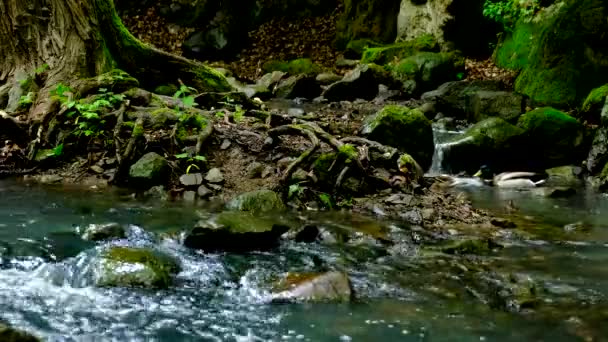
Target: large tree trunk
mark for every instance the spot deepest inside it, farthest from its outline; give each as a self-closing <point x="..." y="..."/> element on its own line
<point x="77" y="39"/>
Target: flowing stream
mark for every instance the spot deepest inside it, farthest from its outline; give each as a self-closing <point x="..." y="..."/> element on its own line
<point x="45" y="286"/>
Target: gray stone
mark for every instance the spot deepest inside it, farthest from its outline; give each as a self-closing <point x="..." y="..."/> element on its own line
<point x="189" y="196"/>
<point x="152" y="169"/>
<point x="454" y="98"/>
<point x="325" y="287"/>
<point x="225" y="144"/>
<point x="255" y="169"/>
<point x="106" y="231"/>
<point x="503" y="104"/>
<point x="327" y="78"/>
<point x="191" y="180"/>
<point x="298" y="86"/>
<point x="257" y="201"/>
<point x="204" y="192"/>
<point x="359" y="83"/>
<point x="270" y="80"/>
<point x="215" y="176"/>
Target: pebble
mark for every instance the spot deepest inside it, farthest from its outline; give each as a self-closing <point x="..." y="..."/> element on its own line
<point x="214" y="176"/>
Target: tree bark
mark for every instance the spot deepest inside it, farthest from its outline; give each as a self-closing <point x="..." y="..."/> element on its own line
<point x="46" y="42"/>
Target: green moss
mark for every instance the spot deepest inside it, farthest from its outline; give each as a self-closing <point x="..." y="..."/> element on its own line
<point x="138" y="130"/>
<point x="367" y="19"/>
<point x="560" y="53"/>
<point x="293" y="67"/>
<point x="385" y="54"/>
<point x="257" y="201"/>
<point x="167" y="90"/>
<point x="356" y="47"/>
<point x="604" y="173"/>
<point x="349" y="152"/>
<point x="161" y="267"/>
<point x="493" y="133"/>
<point x="27" y="83"/>
<point x="8" y="334"/>
<point x="596" y="99"/>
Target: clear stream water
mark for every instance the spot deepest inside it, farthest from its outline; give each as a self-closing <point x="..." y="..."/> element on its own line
<point x="45" y="286"/>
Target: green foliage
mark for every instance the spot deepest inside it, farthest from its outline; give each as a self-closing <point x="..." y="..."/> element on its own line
<point x="295" y="191"/>
<point x="58" y="150"/>
<point x="596" y="99"/>
<point x="41" y="69"/>
<point x="238" y="114"/>
<point x="26" y="101"/>
<point x="192" y="161"/>
<point x="326" y="200"/>
<point x="508" y="12"/>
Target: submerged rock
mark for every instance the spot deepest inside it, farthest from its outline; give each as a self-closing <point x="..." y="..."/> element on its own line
<point x="404" y="128"/>
<point x="106" y="231"/>
<point x="236" y="232"/>
<point x="324" y="287"/>
<point x="135" y="267"/>
<point x="152" y="169"/>
<point x="257" y="201"/>
<point x="8" y="334"/>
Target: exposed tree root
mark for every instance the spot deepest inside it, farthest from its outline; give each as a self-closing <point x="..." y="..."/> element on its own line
<point x="295" y="130"/>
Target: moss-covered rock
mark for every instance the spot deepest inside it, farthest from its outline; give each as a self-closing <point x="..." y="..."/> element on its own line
<point x="135" y="267"/>
<point x="492" y="141"/>
<point x="294" y="67"/>
<point x="356" y="47"/>
<point x="152" y="169"/>
<point x="554" y="136"/>
<point x="371" y="19"/>
<point x="324" y="287"/>
<point x="8" y="334"/>
<point x="386" y="54"/>
<point x="562" y="53"/>
<point x="236" y="232"/>
<point x="404" y="128"/>
<point x="427" y="69"/>
<point x="257" y="201"/>
<point x="594" y="103"/>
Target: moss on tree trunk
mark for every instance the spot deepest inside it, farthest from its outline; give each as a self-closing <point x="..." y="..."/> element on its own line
<point x="46" y="42"/>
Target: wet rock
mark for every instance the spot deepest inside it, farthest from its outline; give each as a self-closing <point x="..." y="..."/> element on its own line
<point x="157" y="192"/>
<point x="325" y="287"/>
<point x="270" y="80"/>
<point x="189" y="196"/>
<point x="257" y="201"/>
<point x="413" y="216"/>
<point x="152" y="169"/>
<point x="598" y="155"/>
<point x="455" y="97"/>
<point x="564" y="176"/>
<point x="477" y="247"/>
<point x="8" y="334"/>
<point x="503" y="223"/>
<point x="191" y="179"/>
<point x="555" y="192"/>
<point x="346" y="63"/>
<point x="577" y="227"/>
<point x="203" y="192"/>
<point x="236" y="232"/>
<point x="46" y="179"/>
<point x="268" y="171"/>
<point x="214" y="176"/>
<point x="404" y="128"/>
<point x="138" y="97"/>
<point x="328" y="78"/>
<point x="254" y="170"/>
<point x="298" y="86"/>
<point x="225" y="144"/>
<point x="359" y="83"/>
<point x="503" y="104"/>
<point x="106" y="231"/>
<point x="135" y="267"/>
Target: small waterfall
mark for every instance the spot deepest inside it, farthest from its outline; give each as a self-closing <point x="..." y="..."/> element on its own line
<point x="443" y="139"/>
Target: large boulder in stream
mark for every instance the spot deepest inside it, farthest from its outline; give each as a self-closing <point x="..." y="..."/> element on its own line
<point x="106" y="231"/>
<point x="404" y="128"/>
<point x="135" y="267"/>
<point x="555" y="138"/>
<point x="152" y="169"/>
<point x="323" y="287"/>
<point x="236" y="232"/>
<point x="8" y="334"/>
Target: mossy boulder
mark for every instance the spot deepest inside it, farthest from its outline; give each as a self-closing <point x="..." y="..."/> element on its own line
<point x="236" y="232"/>
<point x="404" y="128"/>
<point x="356" y="47"/>
<point x="594" y="104"/>
<point x="386" y="54"/>
<point x="562" y="53"/>
<point x="8" y="334"/>
<point x="135" y="267"/>
<point x="555" y="137"/>
<point x="492" y="141"/>
<point x="367" y="19"/>
<point x="359" y="83"/>
<point x="294" y="67"/>
<point x="324" y="287"/>
<point x="151" y="169"/>
<point x="257" y="201"/>
<point x="427" y="70"/>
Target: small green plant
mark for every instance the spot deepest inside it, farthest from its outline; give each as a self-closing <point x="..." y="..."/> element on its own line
<point x="460" y="76"/>
<point x="219" y="114"/>
<point x="185" y="93"/>
<point x="295" y="191"/>
<point x="326" y="200"/>
<point x="239" y="113"/>
<point x="26" y="101"/>
<point x="58" y="150"/>
<point x="41" y="69"/>
<point x="191" y="160"/>
<point x="508" y="12"/>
